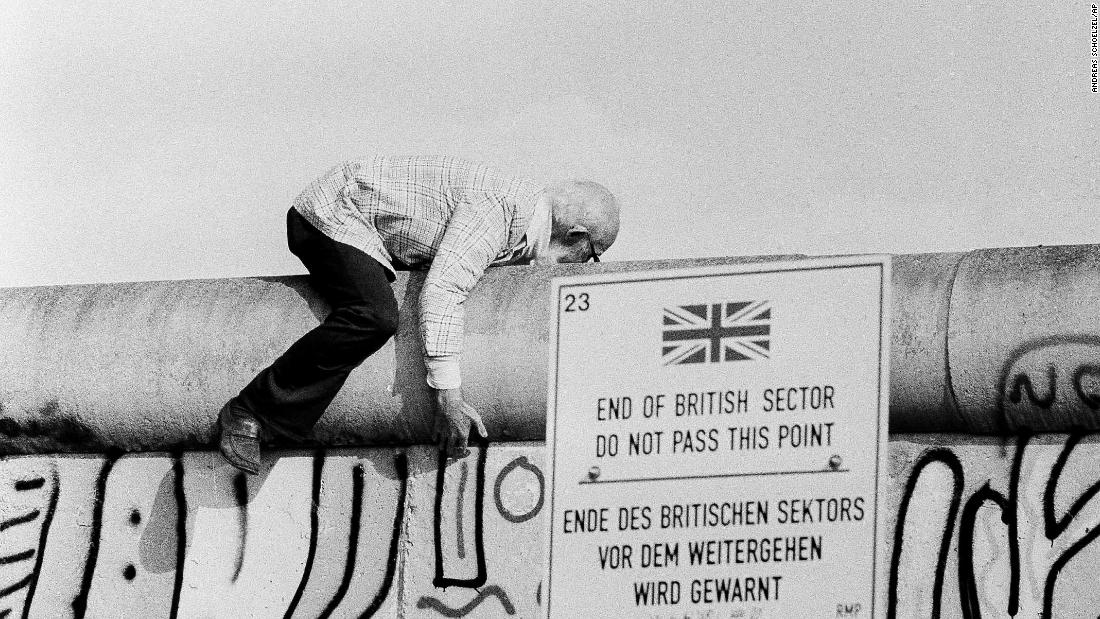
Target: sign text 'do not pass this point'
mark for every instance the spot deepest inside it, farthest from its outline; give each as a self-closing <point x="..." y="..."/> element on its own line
<point x="716" y="440"/>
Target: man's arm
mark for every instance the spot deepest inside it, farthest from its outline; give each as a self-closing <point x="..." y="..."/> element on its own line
<point x="475" y="235"/>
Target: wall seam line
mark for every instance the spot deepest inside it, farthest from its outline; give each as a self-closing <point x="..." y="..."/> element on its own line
<point x="951" y="397"/>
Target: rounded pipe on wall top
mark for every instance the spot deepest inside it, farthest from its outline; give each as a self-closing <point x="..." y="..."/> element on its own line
<point x="990" y="342"/>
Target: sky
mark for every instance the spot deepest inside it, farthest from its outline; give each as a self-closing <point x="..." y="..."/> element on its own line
<point x="142" y="140"/>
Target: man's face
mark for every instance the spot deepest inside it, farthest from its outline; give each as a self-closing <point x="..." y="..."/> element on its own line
<point x="572" y="245"/>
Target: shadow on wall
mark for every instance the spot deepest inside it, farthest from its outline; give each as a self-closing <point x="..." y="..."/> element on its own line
<point x="48" y="431"/>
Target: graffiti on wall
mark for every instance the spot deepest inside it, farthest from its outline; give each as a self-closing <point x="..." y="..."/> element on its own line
<point x="180" y="535"/>
<point x="1050" y="382"/>
<point x="982" y="529"/>
<point x="518" y="472"/>
<point x="26" y="519"/>
<point x="1006" y="548"/>
<point x="1005" y="552"/>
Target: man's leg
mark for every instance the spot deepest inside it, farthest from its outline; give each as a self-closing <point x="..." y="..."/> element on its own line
<point x="290" y="395"/>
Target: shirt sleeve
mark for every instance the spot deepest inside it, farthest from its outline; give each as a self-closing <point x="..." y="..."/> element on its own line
<point x="444" y="372"/>
<point x="475" y="235"/>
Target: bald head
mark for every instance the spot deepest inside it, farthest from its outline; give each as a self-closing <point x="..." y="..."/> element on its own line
<point x="585" y="220"/>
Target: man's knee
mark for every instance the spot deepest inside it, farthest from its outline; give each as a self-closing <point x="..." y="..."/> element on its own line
<point x="373" y="323"/>
<point x="386" y="323"/>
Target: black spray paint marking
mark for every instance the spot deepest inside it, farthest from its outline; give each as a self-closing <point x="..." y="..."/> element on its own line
<point x="1013" y="522"/>
<point x="30" y="484"/>
<point x="458" y="510"/>
<point x="17" y="557"/>
<point x="314" y="523"/>
<point x="1091" y="400"/>
<point x="80" y="602"/>
<point x="18" y="520"/>
<point x="948" y="458"/>
<point x="401" y="463"/>
<point x="31" y="579"/>
<point x="43" y="537"/>
<point x="520" y="462"/>
<point x="1021" y="382"/>
<point x="1056" y="569"/>
<point x="181" y="530"/>
<point x="240" y="490"/>
<point x="443" y="581"/>
<point x="968" y="589"/>
<point x="353" y="540"/>
<point x="1009" y="507"/>
<point x="490" y="591"/>
<point x="1055" y="528"/>
<point x="1052" y="525"/>
<point x="10" y="589"/>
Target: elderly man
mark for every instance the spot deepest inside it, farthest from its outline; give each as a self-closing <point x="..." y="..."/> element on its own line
<point x="362" y="220"/>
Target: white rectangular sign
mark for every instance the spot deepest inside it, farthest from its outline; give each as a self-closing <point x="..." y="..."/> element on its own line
<point x="717" y="438"/>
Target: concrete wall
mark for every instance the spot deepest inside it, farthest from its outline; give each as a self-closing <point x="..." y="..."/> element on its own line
<point x="120" y="509"/>
<point x="386" y="532"/>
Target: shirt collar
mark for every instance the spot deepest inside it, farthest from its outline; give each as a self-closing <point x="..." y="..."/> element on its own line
<point x="538" y="231"/>
<point x="535" y="240"/>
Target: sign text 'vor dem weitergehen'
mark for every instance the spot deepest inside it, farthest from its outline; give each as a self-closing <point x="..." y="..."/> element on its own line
<point x="717" y="438"/>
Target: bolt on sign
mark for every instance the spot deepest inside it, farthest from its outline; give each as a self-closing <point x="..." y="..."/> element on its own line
<point x="717" y="439"/>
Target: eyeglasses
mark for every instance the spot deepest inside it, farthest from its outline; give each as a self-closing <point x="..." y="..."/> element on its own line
<point x="592" y="255"/>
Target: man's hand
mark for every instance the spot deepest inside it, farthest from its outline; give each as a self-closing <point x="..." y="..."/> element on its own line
<point x="452" y="422"/>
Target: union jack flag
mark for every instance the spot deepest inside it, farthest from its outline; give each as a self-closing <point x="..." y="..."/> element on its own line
<point x="714" y="332"/>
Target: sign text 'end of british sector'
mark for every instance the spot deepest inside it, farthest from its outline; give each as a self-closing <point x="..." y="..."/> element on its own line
<point x="716" y="438"/>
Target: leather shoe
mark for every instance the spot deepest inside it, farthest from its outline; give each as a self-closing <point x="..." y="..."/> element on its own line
<point x="240" y="437"/>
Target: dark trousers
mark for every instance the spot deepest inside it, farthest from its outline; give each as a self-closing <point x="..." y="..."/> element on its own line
<point x="290" y="395"/>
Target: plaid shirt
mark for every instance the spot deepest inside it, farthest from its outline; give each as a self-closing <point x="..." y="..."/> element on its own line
<point x="451" y="215"/>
